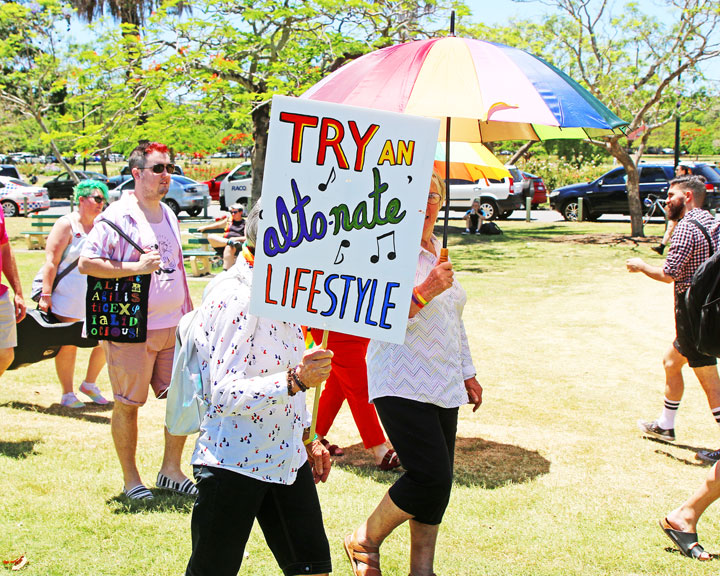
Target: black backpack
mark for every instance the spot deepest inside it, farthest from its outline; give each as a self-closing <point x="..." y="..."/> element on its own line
<point x="702" y="301"/>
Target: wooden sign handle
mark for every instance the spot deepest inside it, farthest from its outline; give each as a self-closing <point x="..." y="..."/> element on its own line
<point x="443" y="255"/>
<point x="318" y="390"/>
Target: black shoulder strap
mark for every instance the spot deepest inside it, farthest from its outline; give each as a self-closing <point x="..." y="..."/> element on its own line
<point x="133" y="243"/>
<point x="705" y="233"/>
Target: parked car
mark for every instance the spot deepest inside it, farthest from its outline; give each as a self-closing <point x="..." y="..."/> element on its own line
<point x="521" y="185"/>
<point x="10" y="171"/>
<point x="237" y="186"/>
<point x="184" y="194"/>
<point x="538" y="189"/>
<point x="126" y="174"/>
<point x="497" y="197"/>
<point x="14" y="193"/>
<point x="608" y="194"/>
<point x="62" y="185"/>
<point x="214" y="185"/>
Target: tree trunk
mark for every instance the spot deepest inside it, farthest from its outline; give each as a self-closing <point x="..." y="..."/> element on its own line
<point x="261" y="125"/>
<point x="521" y="151"/>
<point x="633" y="187"/>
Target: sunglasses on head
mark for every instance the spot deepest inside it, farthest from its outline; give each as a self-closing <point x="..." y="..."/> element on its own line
<point x="159" y="168"/>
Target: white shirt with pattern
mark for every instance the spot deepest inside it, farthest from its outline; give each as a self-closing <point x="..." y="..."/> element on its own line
<point x="253" y="426"/>
<point x="434" y="361"/>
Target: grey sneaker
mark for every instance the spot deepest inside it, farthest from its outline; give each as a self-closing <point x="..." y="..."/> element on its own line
<point x="654" y="431"/>
<point x="709" y="456"/>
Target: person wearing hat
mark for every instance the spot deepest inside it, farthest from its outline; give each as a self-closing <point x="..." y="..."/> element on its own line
<point x="229" y="243"/>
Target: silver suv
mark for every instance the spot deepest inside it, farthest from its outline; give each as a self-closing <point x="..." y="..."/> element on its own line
<point x="498" y="198"/>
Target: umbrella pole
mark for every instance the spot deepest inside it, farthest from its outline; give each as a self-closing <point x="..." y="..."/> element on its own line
<point x="444" y="249"/>
<point x="318" y="390"/>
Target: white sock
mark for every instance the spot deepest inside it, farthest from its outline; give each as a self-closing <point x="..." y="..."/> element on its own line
<point x="667" y="417"/>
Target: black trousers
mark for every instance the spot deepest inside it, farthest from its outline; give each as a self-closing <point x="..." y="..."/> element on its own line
<point x="289" y="516"/>
<point x="424" y="437"/>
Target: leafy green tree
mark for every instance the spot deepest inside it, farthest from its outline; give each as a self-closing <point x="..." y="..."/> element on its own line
<point x="635" y="63"/>
<point x="32" y="63"/>
<point x="242" y="52"/>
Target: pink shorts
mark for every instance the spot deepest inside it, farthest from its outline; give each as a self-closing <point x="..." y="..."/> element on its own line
<point x="134" y="367"/>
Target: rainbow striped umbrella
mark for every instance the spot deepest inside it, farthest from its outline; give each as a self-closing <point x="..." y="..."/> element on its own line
<point x="470" y="161"/>
<point x="482" y="91"/>
<point x="491" y="91"/>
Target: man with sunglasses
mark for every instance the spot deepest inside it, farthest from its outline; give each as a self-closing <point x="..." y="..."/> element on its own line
<point x="135" y="367"/>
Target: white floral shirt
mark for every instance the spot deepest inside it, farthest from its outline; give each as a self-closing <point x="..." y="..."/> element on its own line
<point x="252" y="426"/>
<point x="434" y="361"/>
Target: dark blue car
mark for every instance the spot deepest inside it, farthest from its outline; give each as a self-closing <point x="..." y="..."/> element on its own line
<point x="608" y="194"/>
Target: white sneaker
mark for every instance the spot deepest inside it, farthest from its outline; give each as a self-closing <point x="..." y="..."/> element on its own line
<point x="69" y="400"/>
<point x="91" y="390"/>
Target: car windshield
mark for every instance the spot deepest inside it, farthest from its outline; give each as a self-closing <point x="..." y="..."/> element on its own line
<point x="183" y="180"/>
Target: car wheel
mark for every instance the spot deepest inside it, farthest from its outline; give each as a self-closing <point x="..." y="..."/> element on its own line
<point x="489" y="208"/>
<point x="570" y="210"/>
<point x="505" y="215"/>
<point x="10" y="208"/>
<point x="174" y="206"/>
<point x="194" y="211"/>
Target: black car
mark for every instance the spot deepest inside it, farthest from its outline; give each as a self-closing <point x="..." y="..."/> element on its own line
<point x="62" y="186"/>
<point x="608" y="194"/>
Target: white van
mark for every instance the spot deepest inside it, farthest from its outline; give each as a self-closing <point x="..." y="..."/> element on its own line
<point x="237" y="186"/>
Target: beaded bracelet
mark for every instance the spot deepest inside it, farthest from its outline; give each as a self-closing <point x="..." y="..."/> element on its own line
<point x="310" y="440"/>
<point x="45" y="295"/>
<point x="299" y="383"/>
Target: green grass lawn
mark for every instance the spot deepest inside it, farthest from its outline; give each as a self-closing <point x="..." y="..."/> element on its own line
<point x="553" y="477"/>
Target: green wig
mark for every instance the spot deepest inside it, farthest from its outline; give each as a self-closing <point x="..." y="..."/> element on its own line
<point x="85" y="188"/>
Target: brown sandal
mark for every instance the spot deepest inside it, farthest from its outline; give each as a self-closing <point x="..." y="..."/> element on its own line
<point x="334" y="449"/>
<point x="364" y="560"/>
<point x="390" y="461"/>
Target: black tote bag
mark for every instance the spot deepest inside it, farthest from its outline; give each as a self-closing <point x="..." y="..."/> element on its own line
<point x="116" y="309"/>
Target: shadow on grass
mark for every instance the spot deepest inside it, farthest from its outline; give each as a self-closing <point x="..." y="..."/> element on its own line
<point x="18" y="450"/>
<point x="692" y="449"/>
<point x="163" y="501"/>
<point x="478" y="462"/>
<point x="88" y="413"/>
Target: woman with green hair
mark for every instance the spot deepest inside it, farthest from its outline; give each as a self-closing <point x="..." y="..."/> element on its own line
<point x="66" y="298"/>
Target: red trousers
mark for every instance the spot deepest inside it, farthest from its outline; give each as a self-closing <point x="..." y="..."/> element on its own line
<point x="348" y="380"/>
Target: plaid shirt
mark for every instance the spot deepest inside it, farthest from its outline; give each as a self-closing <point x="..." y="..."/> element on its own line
<point x="690" y="248"/>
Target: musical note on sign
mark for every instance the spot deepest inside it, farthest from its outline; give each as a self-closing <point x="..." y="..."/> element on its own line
<point x="340" y="257"/>
<point x="390" y="255"/>
<point x="323" y="185"/>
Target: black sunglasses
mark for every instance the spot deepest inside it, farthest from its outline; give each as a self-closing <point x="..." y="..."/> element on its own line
<point x="98" y="199"/>
<point x="158" y="168"/>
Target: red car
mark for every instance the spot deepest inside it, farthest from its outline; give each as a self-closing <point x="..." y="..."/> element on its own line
<point x="214" y="185"/>
<point x="539" y="192"/>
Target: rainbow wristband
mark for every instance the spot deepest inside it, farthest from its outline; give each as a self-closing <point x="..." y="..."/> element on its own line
<point x="420" y="300"/>
<point x="310" y="440"/>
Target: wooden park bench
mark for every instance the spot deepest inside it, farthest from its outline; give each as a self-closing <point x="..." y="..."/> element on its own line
<point x="36" y="239"/>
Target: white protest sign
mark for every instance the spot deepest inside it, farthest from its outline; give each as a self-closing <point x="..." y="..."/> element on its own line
<point x="343" y="204"/>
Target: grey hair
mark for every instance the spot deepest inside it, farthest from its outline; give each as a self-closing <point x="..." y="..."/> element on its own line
<point x="251" y="224"/>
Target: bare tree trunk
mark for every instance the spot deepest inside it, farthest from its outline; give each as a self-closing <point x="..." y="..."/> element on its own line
<point x="633" y="187"/>
<point x="521" y="151"/>
<point x="261" y="125"/>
